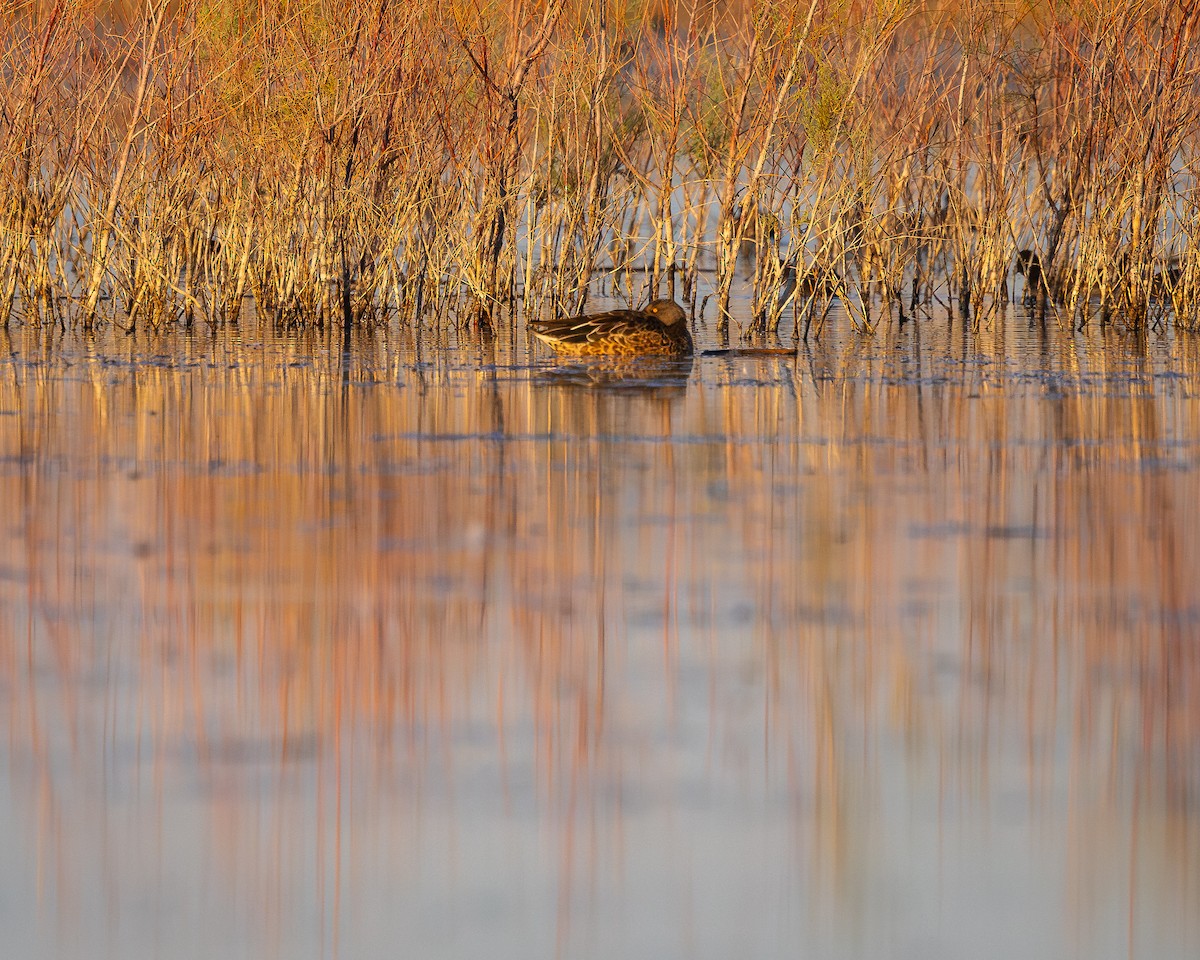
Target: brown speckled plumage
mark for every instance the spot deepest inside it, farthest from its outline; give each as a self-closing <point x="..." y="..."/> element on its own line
<point x="657" y="330"/>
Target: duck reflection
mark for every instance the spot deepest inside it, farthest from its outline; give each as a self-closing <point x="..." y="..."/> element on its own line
<point x="657" y="376"/>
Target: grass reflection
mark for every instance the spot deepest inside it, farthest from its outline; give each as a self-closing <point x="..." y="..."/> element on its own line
<point x="308" y="627"/>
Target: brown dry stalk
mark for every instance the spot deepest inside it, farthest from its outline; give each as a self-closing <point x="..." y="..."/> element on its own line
<point x="441" y="165"/>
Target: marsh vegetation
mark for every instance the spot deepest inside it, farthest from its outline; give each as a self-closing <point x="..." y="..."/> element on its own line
<point x="333" y="620"/>
<point x="430" y="164"/>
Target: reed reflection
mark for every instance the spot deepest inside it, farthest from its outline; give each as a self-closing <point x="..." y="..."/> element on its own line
<point x="492" y="657"/>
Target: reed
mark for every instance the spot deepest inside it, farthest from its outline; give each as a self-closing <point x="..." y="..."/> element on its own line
<point x="428" y="165"/>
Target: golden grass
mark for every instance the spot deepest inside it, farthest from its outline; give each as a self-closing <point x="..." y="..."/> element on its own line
<point x="436" y="164"/>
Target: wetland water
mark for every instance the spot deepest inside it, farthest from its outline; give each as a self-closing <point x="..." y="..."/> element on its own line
<point x="889" y="651"/>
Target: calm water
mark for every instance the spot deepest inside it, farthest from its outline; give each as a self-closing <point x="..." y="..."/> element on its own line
<point x="889" y="651"/>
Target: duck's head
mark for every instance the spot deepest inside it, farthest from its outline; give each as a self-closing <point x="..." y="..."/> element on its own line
<point x="665" y="312"/>
<point x="1028" y="262"/>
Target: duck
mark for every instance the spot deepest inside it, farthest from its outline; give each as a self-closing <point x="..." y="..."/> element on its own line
<point x="659" y="329"/>
<point x="1029" y="265"/>
<point x="801" y="287"/>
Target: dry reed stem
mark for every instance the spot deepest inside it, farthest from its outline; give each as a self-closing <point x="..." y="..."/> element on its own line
<point x="434" y="167"/>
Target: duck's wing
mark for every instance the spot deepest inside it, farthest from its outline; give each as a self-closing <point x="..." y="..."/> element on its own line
<point x="594" y="328"/>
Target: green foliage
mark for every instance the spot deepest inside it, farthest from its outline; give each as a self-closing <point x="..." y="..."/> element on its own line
<point x="822" y="110"/>
<point x="707" y="134"/>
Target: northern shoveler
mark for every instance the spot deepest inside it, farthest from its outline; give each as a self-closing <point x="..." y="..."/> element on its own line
<point x="657" y="330"/>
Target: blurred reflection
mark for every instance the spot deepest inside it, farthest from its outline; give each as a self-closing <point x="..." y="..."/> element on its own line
<point x="663" y="378"/>
<point x="862" y="653"/>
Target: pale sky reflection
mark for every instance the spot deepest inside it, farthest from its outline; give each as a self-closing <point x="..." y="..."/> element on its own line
<point x="887" y="653"/>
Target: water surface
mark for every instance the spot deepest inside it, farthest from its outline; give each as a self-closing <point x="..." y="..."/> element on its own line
<point x="890" y="650"/>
